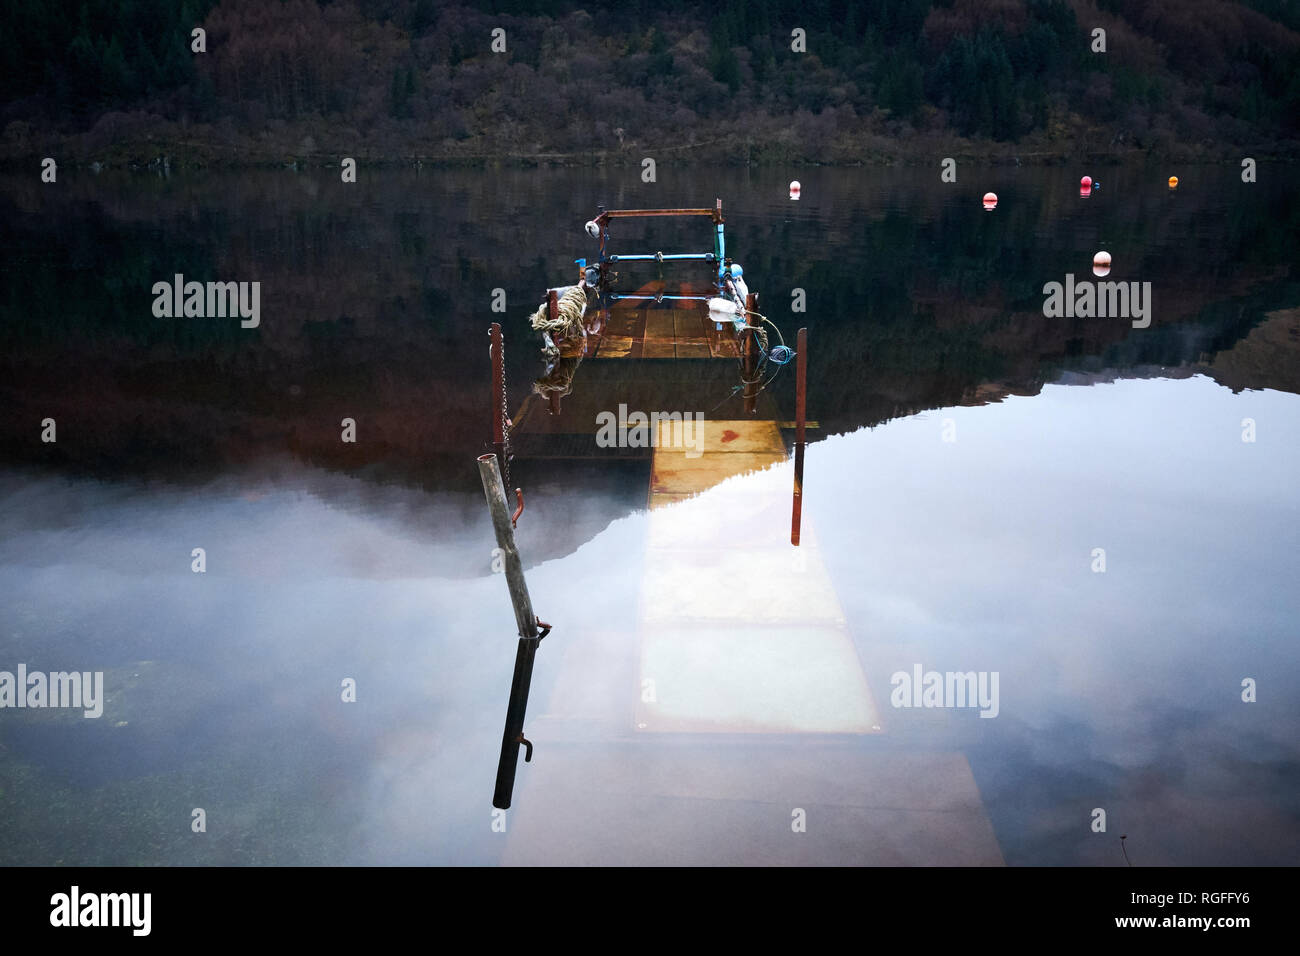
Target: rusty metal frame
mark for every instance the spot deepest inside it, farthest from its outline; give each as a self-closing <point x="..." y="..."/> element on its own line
<point x="715" y="216"/>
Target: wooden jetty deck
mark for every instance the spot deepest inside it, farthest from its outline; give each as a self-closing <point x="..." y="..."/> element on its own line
<point x="649" y="332"/>
<point x="653" y="331"/>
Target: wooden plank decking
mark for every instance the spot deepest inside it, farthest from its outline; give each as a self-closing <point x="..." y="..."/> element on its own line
<point x="652" y="331"/>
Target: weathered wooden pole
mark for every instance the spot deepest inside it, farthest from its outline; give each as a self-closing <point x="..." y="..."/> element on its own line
<point x="531" y="633"/>
<point x="752" y="354"/>
<point x="800" y="410"/>
<point x="498" y="404"/>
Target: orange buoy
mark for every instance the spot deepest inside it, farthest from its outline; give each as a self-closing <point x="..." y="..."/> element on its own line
<point x="990" y="200"/>
<point x="1173" y="182"/>
<point x="1086" y="182"/>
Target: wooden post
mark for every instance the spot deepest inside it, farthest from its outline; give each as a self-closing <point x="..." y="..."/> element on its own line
<point x="498" y="403"/>
<point x="752" y="354"/>
<point x="529" y="636"/>
<point x="800" y="410"/>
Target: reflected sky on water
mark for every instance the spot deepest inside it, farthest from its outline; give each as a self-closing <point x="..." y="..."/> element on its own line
<point x="1119" y="689"/>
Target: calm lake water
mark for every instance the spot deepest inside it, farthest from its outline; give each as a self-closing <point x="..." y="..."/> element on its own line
<point x="969" y="458"/>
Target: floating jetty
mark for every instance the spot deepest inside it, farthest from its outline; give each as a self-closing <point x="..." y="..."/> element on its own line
<point x="730" y="714"/>
<point x="710" y="316"/>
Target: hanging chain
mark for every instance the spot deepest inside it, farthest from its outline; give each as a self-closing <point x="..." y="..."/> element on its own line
<point x="505" y="422"/>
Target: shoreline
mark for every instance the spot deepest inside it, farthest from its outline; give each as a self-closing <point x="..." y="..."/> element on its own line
<point x="165" y="158"/>
<point x="295" y="151"/>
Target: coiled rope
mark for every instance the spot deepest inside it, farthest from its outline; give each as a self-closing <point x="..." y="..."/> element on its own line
<point x="571" y="306"/>
<point x="778" y="355"/>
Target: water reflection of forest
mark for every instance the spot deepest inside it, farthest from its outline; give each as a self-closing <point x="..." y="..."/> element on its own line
<point x="376" y="304"/>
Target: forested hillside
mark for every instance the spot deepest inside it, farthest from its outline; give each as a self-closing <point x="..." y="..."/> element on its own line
<point x="117" y="80"/>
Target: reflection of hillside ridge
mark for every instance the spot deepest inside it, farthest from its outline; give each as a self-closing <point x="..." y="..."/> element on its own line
<point x="376" y="298"/>
<point x="1109" y="376"/>
<point x="1269" y="357"/>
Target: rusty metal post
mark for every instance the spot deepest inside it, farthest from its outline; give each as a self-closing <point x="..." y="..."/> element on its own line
<point x="497" y="352"/>
<point x="531" y="632"/>
<point x="752" y="354"/>
<point x="800" y="410"/>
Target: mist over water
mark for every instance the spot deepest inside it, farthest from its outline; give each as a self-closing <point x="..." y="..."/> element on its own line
<point x="373" y="562"/>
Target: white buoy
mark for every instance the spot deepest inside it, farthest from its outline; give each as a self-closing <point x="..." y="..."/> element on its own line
<point x="593" y="230"/>
<point x="1101" y="264"/>
<point x="795" y="189"/>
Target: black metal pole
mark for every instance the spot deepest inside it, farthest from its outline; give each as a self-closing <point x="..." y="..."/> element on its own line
<point x="513" y="736"/>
